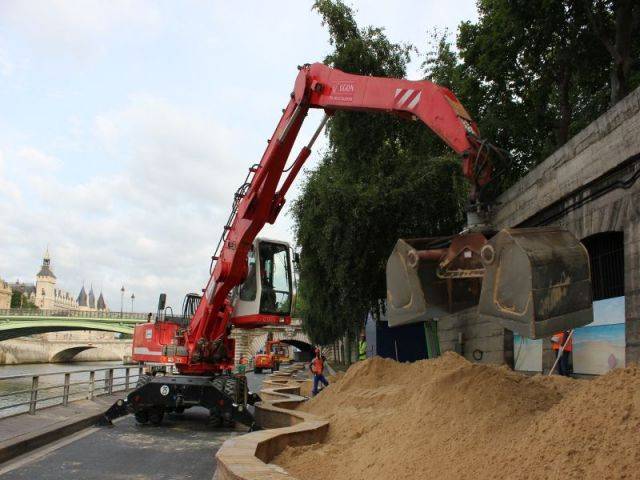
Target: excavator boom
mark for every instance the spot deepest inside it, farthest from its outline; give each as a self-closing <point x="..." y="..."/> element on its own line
<point x="322" y="87"/>
<point x="263" y="196"/>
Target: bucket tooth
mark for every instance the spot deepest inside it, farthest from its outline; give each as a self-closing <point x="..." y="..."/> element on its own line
<point x="537" y="281"/>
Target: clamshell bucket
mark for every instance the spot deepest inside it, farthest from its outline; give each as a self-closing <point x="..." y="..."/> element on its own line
<point x="432" y="277"/>
<point x="537" y="281"/>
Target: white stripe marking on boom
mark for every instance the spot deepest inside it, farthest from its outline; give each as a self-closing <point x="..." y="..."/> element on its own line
<point x="415" y="101"/>
<point x="405" y="97"/>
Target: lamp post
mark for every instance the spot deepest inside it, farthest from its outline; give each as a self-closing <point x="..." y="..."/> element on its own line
<point x="121" y="300"/>
<point x="133" y="297"/>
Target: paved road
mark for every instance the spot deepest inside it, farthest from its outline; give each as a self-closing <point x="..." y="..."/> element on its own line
<point x="183" y="447"/>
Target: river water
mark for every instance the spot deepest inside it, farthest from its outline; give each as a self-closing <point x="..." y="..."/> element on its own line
<point x="53" y="381"/>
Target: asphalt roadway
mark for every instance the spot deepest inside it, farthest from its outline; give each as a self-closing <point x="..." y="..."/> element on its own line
<point x="182" y="447"/>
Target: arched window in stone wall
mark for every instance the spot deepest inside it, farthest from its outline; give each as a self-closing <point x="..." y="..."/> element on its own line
<point x="606" y="254"/>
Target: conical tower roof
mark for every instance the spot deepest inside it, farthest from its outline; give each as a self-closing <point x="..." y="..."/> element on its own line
<point x="45" y="269"/>
<point x="101" y="304"/>
<point x="92" y="298"/>
<point x="82" y="297"/>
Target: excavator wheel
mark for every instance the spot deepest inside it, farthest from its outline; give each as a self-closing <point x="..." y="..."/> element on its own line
<point x="156" y="416"/>
<point x="215" y="419"/>
<point x="142" y="417"/>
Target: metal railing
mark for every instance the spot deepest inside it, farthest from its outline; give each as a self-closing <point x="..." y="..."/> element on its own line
<point x="45" y="390"/>
<point x="34" y="312"/>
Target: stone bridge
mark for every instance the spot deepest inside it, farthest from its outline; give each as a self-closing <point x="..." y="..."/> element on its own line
<point x="18" y="345"/>
<point x="16" y="323"/>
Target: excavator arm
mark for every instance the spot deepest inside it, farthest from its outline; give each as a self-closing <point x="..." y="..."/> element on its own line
<point x="418" y="270"/>
<point x="323" y="87"/>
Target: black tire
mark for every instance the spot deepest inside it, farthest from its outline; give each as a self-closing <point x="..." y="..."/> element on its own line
<point x="156" y="416"/>
<point x="257" y="370"/>
<point x="215" y="420"/>
<point x="142" y="417"/>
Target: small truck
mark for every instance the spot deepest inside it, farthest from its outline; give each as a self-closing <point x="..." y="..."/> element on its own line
<point x="275" y="353"/>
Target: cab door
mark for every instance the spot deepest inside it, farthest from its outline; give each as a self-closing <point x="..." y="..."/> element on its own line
<point x="266" y="296"/>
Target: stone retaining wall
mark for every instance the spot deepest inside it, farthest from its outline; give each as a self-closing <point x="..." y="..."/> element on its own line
<point x="247" y="457"/>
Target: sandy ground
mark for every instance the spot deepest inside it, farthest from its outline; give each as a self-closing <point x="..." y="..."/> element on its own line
<point x="307" y="387"/>
<point x="450" y="419"/>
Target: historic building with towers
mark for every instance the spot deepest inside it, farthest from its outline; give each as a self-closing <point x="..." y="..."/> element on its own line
<point x="46" y="295"/>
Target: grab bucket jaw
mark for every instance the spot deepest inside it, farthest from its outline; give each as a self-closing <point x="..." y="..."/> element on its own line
<point x="537" y="281"/>
<point x="433" y="277"/>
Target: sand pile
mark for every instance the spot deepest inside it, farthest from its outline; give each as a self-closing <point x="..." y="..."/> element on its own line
<point x="450" y="419"/>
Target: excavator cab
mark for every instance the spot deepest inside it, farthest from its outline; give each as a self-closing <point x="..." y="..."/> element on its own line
<point x="533" y="281"/>
<point x="268" y="289"/>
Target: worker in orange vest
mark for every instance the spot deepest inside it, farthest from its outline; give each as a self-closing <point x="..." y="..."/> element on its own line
<point x="557" y="341"/>
<point x="317" y="368"/>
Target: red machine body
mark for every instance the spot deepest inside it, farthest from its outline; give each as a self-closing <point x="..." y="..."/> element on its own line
<point x="203" y="346"/>
<point x="274" y="355"/>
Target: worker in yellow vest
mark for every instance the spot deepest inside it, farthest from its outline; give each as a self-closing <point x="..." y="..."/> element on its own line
<point x="362" y="347"/>
<point x="317" y="368"/>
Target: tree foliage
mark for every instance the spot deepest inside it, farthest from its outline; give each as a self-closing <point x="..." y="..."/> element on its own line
<point x="20" y="300"/>
<point x="535" y="72"/>
<point x="532" y="72"/>
<point x="381" y="179"/>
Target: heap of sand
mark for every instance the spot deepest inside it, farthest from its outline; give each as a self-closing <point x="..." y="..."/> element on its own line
<point x="450" y="419"/>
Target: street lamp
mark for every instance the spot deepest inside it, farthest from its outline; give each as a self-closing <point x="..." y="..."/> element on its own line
<point x="133" y="297"/>
<point x="121" y="300"/>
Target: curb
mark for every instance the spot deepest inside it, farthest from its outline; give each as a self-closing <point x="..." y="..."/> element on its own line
<point x="27" y="442"/>
<point x="247" y="457"/>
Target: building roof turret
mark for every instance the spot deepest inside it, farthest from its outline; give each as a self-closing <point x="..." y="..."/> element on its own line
<point x="92" y="298"/>
<point x="45" y="269"/>
<point x="101" y="304"/>
<point x="82" y="297"/>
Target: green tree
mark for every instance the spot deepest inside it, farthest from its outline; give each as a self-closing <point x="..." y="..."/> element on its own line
<point x="381" y="178"/>
<point x="20" y="300"/>
<point x="535" y="72"/>
<point x="616" y="24"/>
<point x="531" y="72"/>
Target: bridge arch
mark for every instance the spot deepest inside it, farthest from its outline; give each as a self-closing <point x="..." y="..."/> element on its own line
<point x="21" y="328"/>
<point x="295" y="338"/>
<point x="68" y="354"/>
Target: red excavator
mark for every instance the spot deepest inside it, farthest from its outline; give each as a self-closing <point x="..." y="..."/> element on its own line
<point x="533" y="281"/>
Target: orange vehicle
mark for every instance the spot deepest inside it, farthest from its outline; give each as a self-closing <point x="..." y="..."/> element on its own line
<point x="275" y="354"/>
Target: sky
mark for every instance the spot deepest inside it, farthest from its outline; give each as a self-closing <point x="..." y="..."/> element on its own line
<point x="126" y="126"/>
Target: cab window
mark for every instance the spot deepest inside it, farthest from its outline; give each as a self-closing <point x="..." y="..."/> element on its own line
<point x="275" y="279"/>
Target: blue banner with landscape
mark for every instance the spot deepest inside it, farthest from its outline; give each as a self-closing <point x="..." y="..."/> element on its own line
<point x="599" y="347"/>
